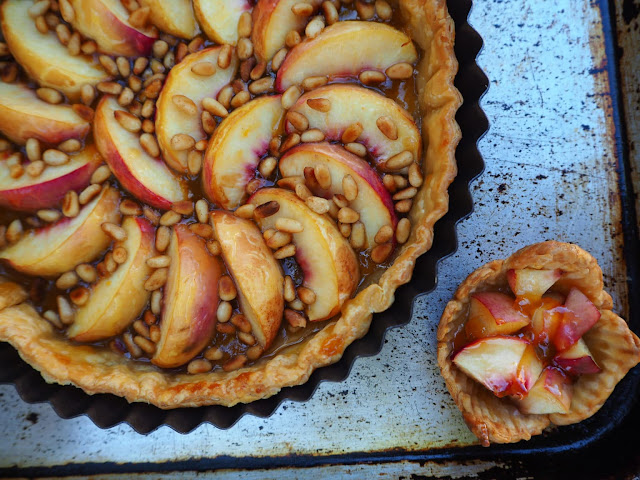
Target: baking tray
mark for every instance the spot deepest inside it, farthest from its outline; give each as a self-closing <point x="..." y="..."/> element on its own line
<point x="107" y="410"/>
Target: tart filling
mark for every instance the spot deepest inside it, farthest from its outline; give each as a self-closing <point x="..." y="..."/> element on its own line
<point x="194" y="223"/>
<point x="531" y="341"/>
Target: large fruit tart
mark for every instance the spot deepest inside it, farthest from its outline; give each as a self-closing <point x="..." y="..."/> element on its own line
<point x="205" y="201"/>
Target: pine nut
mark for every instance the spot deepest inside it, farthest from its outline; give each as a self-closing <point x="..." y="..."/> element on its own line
<point x="52" y="20"/>
<point x="381" y="252"/>
<point x="234" y="363"/>
<point x="319" y="104"/>
<point x="130" y="5"/>
<point x="258" y="71"/>
<point x="409" y="192"/>
<point x="86" y="273"/>
<point x="141" y="328"/>
<point x="226" y="289"/>
<point x="149" y="144"/>
<point x="253" y="186"/>
<point x="225" y="95"/>
<point x="290" y="141"/>
<point x="244" y="49"/>
<point x="70" y="146"/>
<point x="155" y="334"/>
<point x="290" y="182"/>
<point x="67" y="280"/>
<point x="318" y="205"/>
<point x="384" y="235"/>
<point x="267" y="209"/>
<point x="16" y="171"/>
<point x="182" y="141"/>
<point x="49" y="95"/>
<point x="67" y="11"/>
<point x="351" y="133"/>
<point x="307" y="295"/>
<point x="383" y="9"/>
<point x="356" y="148"/>
<point x="145" y="344"/>
<point x="159" y="261"/>
<point x="350" y="188"/>
<point x="156" y="302"/>
<point x="39" y="8"/>
<point x="224" y="57"/>
<point x="403" y="230"/>
<point x="55" y="157"/>
<point x="310" y="178"/>
<point x="278" y="240"/>
<point x="214" y="107"/>
<point x="116" y="232"/>
<point x="199" y="365"/>
<point x="244" y="25"/>
<point x="312" y="136"/>
<point x="298" y="120"/>
<point x="101" y="174"/>
<point x="314" y="27"/>
<point x="284" y="252"/>
<point x="345" y="229"/>
<point x="14" y="231"/>
<point x="152" y="90"/>
<point x="79" y="296"/>
<point x="33" y="150"/>
<point x="254" y="352"/>
<point x="204" y="69"/>
<point x="303" y="9"/>
<point x="400" y="71"/>
<point x="127" y="121"/>
<point x="183" y="207"/>
<point x="149" y="317"/>
<point x="415" y="175"/>
<point x="388" y="127"/>
<point x="214" y="247"/>
<point x="311" y="83"/>
<point x="170" y="218"/>
<point x="288" y="225"/>
<point x="156" y="280"/>
<point x="246" y="338"/>
<point x="89" y="47"/>
<point x="151" y="215"/>
<point x="245" y="211"/>
<point x="292" y="39"/>
<point x="9" y="73"/>
<point x="224" y="312"/>
<point x="348" y="215"/>
<point x="213" y="354"/>
<point x="274" y="146"/>
<point x="202" y="229"/>
<point x="35" y="169"/>
<point x="263" y="85"/>
<point x="399" y="161"/>
<point x="289" y="289"/>
<point x="302" y="191"/>
<point x="139" y="65"/>
<point x="112" y="88"/>
<point x="49" y="215"/>
<point x="185" y="104"/>
<point x="202" y="210"/>
<point x="134" y="350"/>
<point x="65" y="310"/>
<point x="194" y="162"/>
<point x="267" y="166"/>
<point x="140" y="17"/>
<point x="63" y="33"/>
<point x="330" y="12"/>
<point x="240" y="99"/>
<point x="4" y="145"/>
<point x="195" y="44"/>
<point x="84" y="112"/>
<point x="246" y="67"/>
<point x="358" y="235"/>
<point x="323" y="176"/>
<point x="403" y="206"/>
<point x="53" y="318"/>
<point x="365" y="10"/>
<point x="278" y="58"/>
<point x="110" y="263"/>
<point x="294" y="319"/>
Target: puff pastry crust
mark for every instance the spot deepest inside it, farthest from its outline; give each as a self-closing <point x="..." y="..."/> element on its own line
<point x="98" y="370"/>
<point x="616" y="348"/>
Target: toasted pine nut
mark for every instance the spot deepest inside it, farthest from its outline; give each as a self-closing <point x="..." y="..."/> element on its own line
<point x="352" y="133"/>
<point x="116" y="232"/>
<point x="194" y="162"/>
<point x="112" y="88"/>
<point x="149" y="144"/>
<point x="145" y="344"/>
<point x="70" y="146"/>
<point x="403" y="230"/>
<point x="170" y="218"/>
<point x="290" y="182"/>
<point x="185" y="104"/>
<point x="252" y="186"/>
<point x="155" y="333"/>
<point x="259" y="70"/>
<point x="383" y="9"/>
<point x="157" y="279"/>
<point x="284" y="252"/>
<point x="224" y="57"/>
<point x="129" y="207"/>
<point x="214" y="107"/>
<point x="16" y="171"/>
<point x="345" y="229"/>
<point x="350" y="188"/>
<point x="14" y="231"/>
<point x="39" y="8"/>
<point x="214" y="247"/>
<point x="403" y="206"/>
<point x="415" y="175"/>
<point x="110" y="263"/>
<point x="278" y="240"/>
<point x="84" y="112"/>
<point x="240" y="99"/>
<point x="290" y="141"/>
<point x="134" y="350"/>
<point x="348" y="215"/>
<point x="202" y="210"/>
<point x="53" y="318"/>
<point x="246" y="338"/>
<point x="289" y="289"/>
<point x="182" y="141"/>
<point x="49" y="95"/>
<point x="294" y="319"/>
<point x="302" y="9"/>
<point x="245" y="211"/>
<point x="67" y="11"/>
<point x="267" y="209"/>
<point x="152" y="90"/>
<point x="307" y="295"/>
<point x="65" y="310"/>
<point x="381" y="252"/>
<point x="278" y="58"/>
<point x="87" y="94"/>
<point x="159" y="261"/>
<point x="79" y="296"/>
<point x="358" y="235"/>
<point x="195" y="44"/>
<point x="202" y="229"/>
<point x="63" y="33"/>
<point x="156" y="302"/>
<point x="35" y="169"/>
<point x="298" y="120"/>
<point x="254" y="352"/>
<point x="323" y="176"/>
<point x="365" y="10"/>
<point x="388" y="127"/>
<point x="149" y="317"/>
<point x="89" y="193"/>
<point x="160" y="49"/>
<point x="67" y="280"/>
<point x="400" y="71"/>
<point x="292" y="39"/>
<point x="70" y="204"/>
<point x="288" y="225"/>
<point x="267" y="166"/>
<point x="33" y="149"/>
<point x="312" y="135"/>
<point x="224" y="312"/>
<point x="408" y="192"/>
<point x="244" y="25"/>
<point x="234" y="363"/>
<point x="356" y="148"/>
<point x="139" y="65"/>
<point x="314" y="27"/>
<point x="302" y="191"/>
<point x="318" y="205"/>
<point x="225" y="95"/>
<point x="384" y="235"/>
<point x="330" y="12"/>
<point x="226" y="289"/>
<point x="86" y="272"/>
<point x="399" y="161"/>
<point x="311" y="83"/>
<point x="199" y="365"/>
<point x="213" y="354"/>
<point x="319" y="104"/>
<point x="127" y="121"/>
<point x="262" y="85"/>
<point x="49" y="215"/>
<point x="89" y="47"/>
<point x="55" y="157"/>
<point x="141" y="328"/>
<point x="244" y="49"/>
<point x="183" y="207"/>
<point x="101" y="174"/>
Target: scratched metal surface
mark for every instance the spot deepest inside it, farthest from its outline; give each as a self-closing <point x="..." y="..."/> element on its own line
<point x="550" y="174"/>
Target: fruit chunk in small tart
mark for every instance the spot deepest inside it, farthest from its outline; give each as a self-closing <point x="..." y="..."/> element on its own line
<point x="531" y="341"/>
<point x="209" y="199"/>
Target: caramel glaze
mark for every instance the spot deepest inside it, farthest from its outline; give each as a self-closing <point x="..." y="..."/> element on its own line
<point x="43" y="292"/>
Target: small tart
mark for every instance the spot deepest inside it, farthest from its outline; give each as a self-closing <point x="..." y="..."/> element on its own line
<point x="615" y="348"/>
<point x="142" y="169"/>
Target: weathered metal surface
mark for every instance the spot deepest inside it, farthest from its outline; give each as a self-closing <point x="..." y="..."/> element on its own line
<point x="550" y="174"/>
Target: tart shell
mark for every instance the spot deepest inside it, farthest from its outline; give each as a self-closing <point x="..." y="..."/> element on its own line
<point x="98" y="370"/>
<point x="616" y="348"/>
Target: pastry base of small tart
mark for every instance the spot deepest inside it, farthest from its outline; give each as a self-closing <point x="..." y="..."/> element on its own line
<point x="616" y="349"/>
<point x="102" y="371"/>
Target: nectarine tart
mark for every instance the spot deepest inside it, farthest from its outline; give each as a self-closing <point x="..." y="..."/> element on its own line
<point x="531" y="341"/>
<point x="206" y="200"/>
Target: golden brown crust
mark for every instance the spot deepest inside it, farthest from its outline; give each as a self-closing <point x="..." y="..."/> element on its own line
<point x="102" y="371"/>
<point x="615" y="348"/>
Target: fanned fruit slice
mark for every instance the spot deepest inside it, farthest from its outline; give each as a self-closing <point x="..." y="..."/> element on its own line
<point x="236" y="147"/>
<point x="42" y="55"/>
<point x="257" y="274"/>
<point x="147" y="178"/>
<point x="107" y="22"/>
<point x="116" y="300"/>
<point x="173" y="16"/>
<point x="369" y="197"/>
<point x="59" y="247"/>
<point x="329" y="265"/>
<point x="272" y="21"/>
<point x="190" y="300"/>
<point x="23" y="116"/>
<point x="182" y="100"/>
<point x="387" y="130"/>
<point x="46" y="190"/>
<point x="219" y="18"/>
<point x="338" y="51"/>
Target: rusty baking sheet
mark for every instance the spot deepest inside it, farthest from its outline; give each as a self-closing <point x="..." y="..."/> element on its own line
<point x="557" y="167"/>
